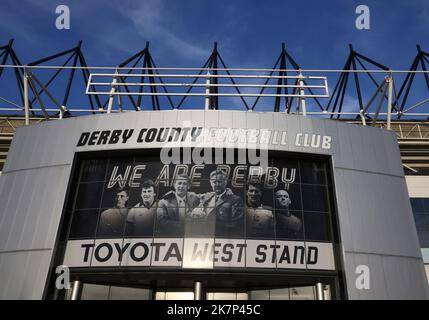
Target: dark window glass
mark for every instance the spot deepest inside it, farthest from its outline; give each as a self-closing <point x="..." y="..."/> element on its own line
<point x="238" y="176"/>
<point x="294" y="193"/>
<point x="112" y="222"/>
<point x="420" y="208"/>
<point x="145" y="194"/>
<point x="117" y="196"/>
<point x="289" y="225"/>
<point x="84" y="224"/>
<point x="168" y="186"/>
<point x="313" y="172"/>
<point x="426" y="204"/>
<point x="260" y="222"/>
<point x="228" y="169"/>
<point x="93" y="170"/>
<point x="89" y="195"/>
<point x="315" y="226"/>
<point x="140" y="221"/>
<point x="289" y="171"/>
<point x="182" y="198"/>
<point x="176" y="172"/>
<point x="257" y="195"/>
<point x="119" y="169"/>
<point x="135" y="196"/>
<point x="169" y="219"/>
<point x="422" y="221"/>
<point x="314" y="198"/>
<point x="145" y="168"/>
<point x="226" y="205"/>
<point x="232" y="210"/>
<point x="203" y="173"/>
<point x="200" y="222"/>
<point x="206" y="188"/>
<point x="200" y="185"/>
<point x="164" y="187"/>
<point x="240" y="191"/>
<point x="417" y="205"/>
<point x="230" y="220"/>
<point x="424" y="238"/>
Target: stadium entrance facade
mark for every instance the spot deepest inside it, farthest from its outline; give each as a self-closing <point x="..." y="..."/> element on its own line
<point x="209" y="204"/>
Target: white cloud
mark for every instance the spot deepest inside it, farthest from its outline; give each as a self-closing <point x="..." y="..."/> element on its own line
<point x="150" y="20"/>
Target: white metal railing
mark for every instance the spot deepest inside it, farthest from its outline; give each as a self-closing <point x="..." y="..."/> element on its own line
<point x="211" y="80"/>
<point x="209" y="83"/>
<point x="115" y="84"/>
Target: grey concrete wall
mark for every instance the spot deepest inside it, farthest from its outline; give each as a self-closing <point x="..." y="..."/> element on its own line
<point x="375" y="217"/>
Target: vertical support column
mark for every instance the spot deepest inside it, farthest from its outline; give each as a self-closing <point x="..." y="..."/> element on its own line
<point x="301" y="93"/>
<point x="362" y="117"/>
<point x="76" y="290"/>
<point x="198" y="290"/>
<point x="62" y="111"/>
<point x="112" y="92"/>
<point x="26" y="101"/>
<point x="327" y="292"/>
<point x="207" y="98"/>
<point x="389" y="80"/>
<point x="120" y="100"/>
<point x="319" y="291"/>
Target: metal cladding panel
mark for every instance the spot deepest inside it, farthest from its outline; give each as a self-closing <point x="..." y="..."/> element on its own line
<point x="343" y="207"/>
<point x="402" y="268"/>
<point x="379" y="291"/>
<point x="8" y="207"/>
<point x="225" y="121"/>
<point x="153" y="120"/>
<point x="348" y="144"/>
<point x="238" y="119"/>
<point x="378" y="214"/>
<point x="352" y="195"/>
<point x="279" y="123"/>
<point x="369" y="153"/>
<point x="42" y="145"/>
<point x="252" y="120"/>
<point x="384" y="270"/>
<point x="318" y="126"/>
<point x="344" y="154"/>
<point x="23" y="274"/>
<point x="211" y="119"/>
<point x="168" y="122"/>
<point x="378" y="150"/>
<point x="36" y="199"/>
<point x="197" y="119"/>
<point x="331" y="129"/>
<point x="293" y="124"/>
<point x="374" y="213"/>
<point x="361" y="161"/>
<point x="350" y="265"/>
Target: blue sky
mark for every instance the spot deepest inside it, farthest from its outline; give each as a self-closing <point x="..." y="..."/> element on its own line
<point x="249" y="33"/>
